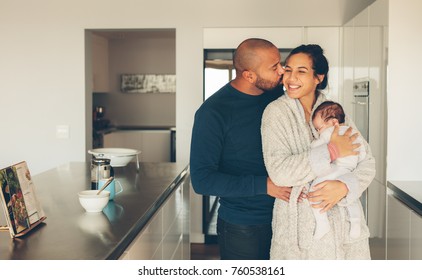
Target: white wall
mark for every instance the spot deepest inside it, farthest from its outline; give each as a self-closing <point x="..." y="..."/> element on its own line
<point x="404" y="149"/>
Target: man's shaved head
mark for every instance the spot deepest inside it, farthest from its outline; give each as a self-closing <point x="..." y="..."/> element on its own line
<point x="247" y="55"/>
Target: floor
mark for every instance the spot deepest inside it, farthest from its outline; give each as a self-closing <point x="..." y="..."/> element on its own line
<point x="200" y="251"/>
<point x="210" y="251"/>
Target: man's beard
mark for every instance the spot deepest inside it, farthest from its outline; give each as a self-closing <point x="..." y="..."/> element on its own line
<point x="266" y="85"/>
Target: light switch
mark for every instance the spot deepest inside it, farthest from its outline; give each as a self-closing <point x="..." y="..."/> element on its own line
<point x="62" y="132"/>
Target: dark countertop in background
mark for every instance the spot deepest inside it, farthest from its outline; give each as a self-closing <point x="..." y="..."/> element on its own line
<point x="134" y="127"/>
<point x="69" y="233"/>
<point x="409" y="192"/>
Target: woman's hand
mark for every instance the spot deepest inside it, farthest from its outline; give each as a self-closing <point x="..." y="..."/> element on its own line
<point x="344" y="143"/>
<point x="328" y="193"/>
<point x="278" y="192"/>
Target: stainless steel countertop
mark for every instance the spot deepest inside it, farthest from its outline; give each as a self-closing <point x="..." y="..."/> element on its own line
<point x="409" y="192"/>
<point x="71" y="233"/>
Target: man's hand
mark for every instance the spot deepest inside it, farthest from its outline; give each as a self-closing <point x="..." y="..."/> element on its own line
<point x="328" y="193"/>
<point x="344" y="143"/>
<point x="278" y="192"/>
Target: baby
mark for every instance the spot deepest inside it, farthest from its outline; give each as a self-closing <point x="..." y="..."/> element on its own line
<point x="325" y="117"/>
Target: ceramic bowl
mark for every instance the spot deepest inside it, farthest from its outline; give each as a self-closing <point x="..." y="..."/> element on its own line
<point x="118" y="156"/>
<point x="93" y="203"/>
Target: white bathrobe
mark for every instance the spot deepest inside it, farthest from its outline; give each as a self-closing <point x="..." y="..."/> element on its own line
<point x="290" y="161"/>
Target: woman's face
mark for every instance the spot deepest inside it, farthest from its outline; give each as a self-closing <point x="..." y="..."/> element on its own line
<point x="299" y="79"/>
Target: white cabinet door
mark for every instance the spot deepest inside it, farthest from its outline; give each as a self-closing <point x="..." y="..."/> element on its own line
<point x="166" y="236"/>
<point x="230" y="38"/>
<point x="361" y="57"/>
<point x="186" y="217"/>
<point x="173" y="225"/>
<point x="415" y="236"/>
<point x="377" y="99"/>
<point x="348" y="69"/>
<point x="398" y="229"/>
<point x="329" y="40"/>
<point x="147" y="245"/>
<point x="154" y="145"/>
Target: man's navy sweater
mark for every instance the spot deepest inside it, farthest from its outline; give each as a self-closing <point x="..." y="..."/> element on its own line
<point x="226" y="155"/>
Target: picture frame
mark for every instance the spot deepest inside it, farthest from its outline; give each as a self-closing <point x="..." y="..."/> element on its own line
<point x="148" y="83"/>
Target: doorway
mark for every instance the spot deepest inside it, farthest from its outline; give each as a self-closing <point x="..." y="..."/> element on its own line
<point x="112" y="53"/>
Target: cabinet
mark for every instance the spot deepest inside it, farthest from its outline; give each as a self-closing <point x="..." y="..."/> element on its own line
<point x="329" y="39"/>
<point x="404" y="228"/>
<point x="398" y="229"/>
<point x="229" y="38"/>
<point x="155" y="145"/>
<point x="100" y="79"/>
<point x="364" y="45"/>
<point x="415" y="236"/>
<point x="166" y="236"/>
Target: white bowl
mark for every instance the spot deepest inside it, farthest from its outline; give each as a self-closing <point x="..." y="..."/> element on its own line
<point x="118" y="156"/>
<point x="92" y="202"/>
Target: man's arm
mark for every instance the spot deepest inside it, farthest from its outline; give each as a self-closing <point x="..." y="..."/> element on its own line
<point x="207" y="144"/>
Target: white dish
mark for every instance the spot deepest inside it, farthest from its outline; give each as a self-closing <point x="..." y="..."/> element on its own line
<point x="92" y="202"/>
<point x="118" y="156"/>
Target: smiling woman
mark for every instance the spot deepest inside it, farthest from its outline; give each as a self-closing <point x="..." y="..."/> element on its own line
<point x="291" y="161"/>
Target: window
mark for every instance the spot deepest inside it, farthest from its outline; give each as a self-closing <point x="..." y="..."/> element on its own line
<point x="219" y="70"/>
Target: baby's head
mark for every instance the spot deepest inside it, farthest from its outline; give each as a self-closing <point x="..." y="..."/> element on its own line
<point x="326" y="115"/>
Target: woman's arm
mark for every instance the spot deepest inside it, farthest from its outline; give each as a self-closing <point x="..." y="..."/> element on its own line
<point x="285" y="148"/>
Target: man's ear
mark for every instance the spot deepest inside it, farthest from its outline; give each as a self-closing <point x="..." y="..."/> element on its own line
<point x="249" y="76"/>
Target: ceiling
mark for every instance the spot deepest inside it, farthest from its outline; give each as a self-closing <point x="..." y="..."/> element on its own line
<point x="283" y="13"/>
<point x="120" y="34"/>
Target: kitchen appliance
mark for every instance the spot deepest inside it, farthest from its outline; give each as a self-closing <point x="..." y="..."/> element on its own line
<point x="361" y="107"/>
<point x="100" y="170"/>
<point x="99" y="112"/>
<point x="361" y="119"/>
<point x="99" y="126"/>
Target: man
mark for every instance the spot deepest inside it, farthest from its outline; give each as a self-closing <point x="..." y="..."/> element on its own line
<point x="226" y="153"/>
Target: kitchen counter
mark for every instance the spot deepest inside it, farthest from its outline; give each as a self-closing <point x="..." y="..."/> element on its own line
<point x="111" y="129"/>
<point x="409" y="192"/>
<point x="71" y="233"/>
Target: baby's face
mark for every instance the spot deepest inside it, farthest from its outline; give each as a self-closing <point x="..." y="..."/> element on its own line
<point x="321" y="125"/>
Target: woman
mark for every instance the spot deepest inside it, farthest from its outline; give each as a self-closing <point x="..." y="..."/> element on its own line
<point x="287" y="133"/>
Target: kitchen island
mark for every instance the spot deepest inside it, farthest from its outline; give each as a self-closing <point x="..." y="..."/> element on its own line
<point x="69" y="233"/>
